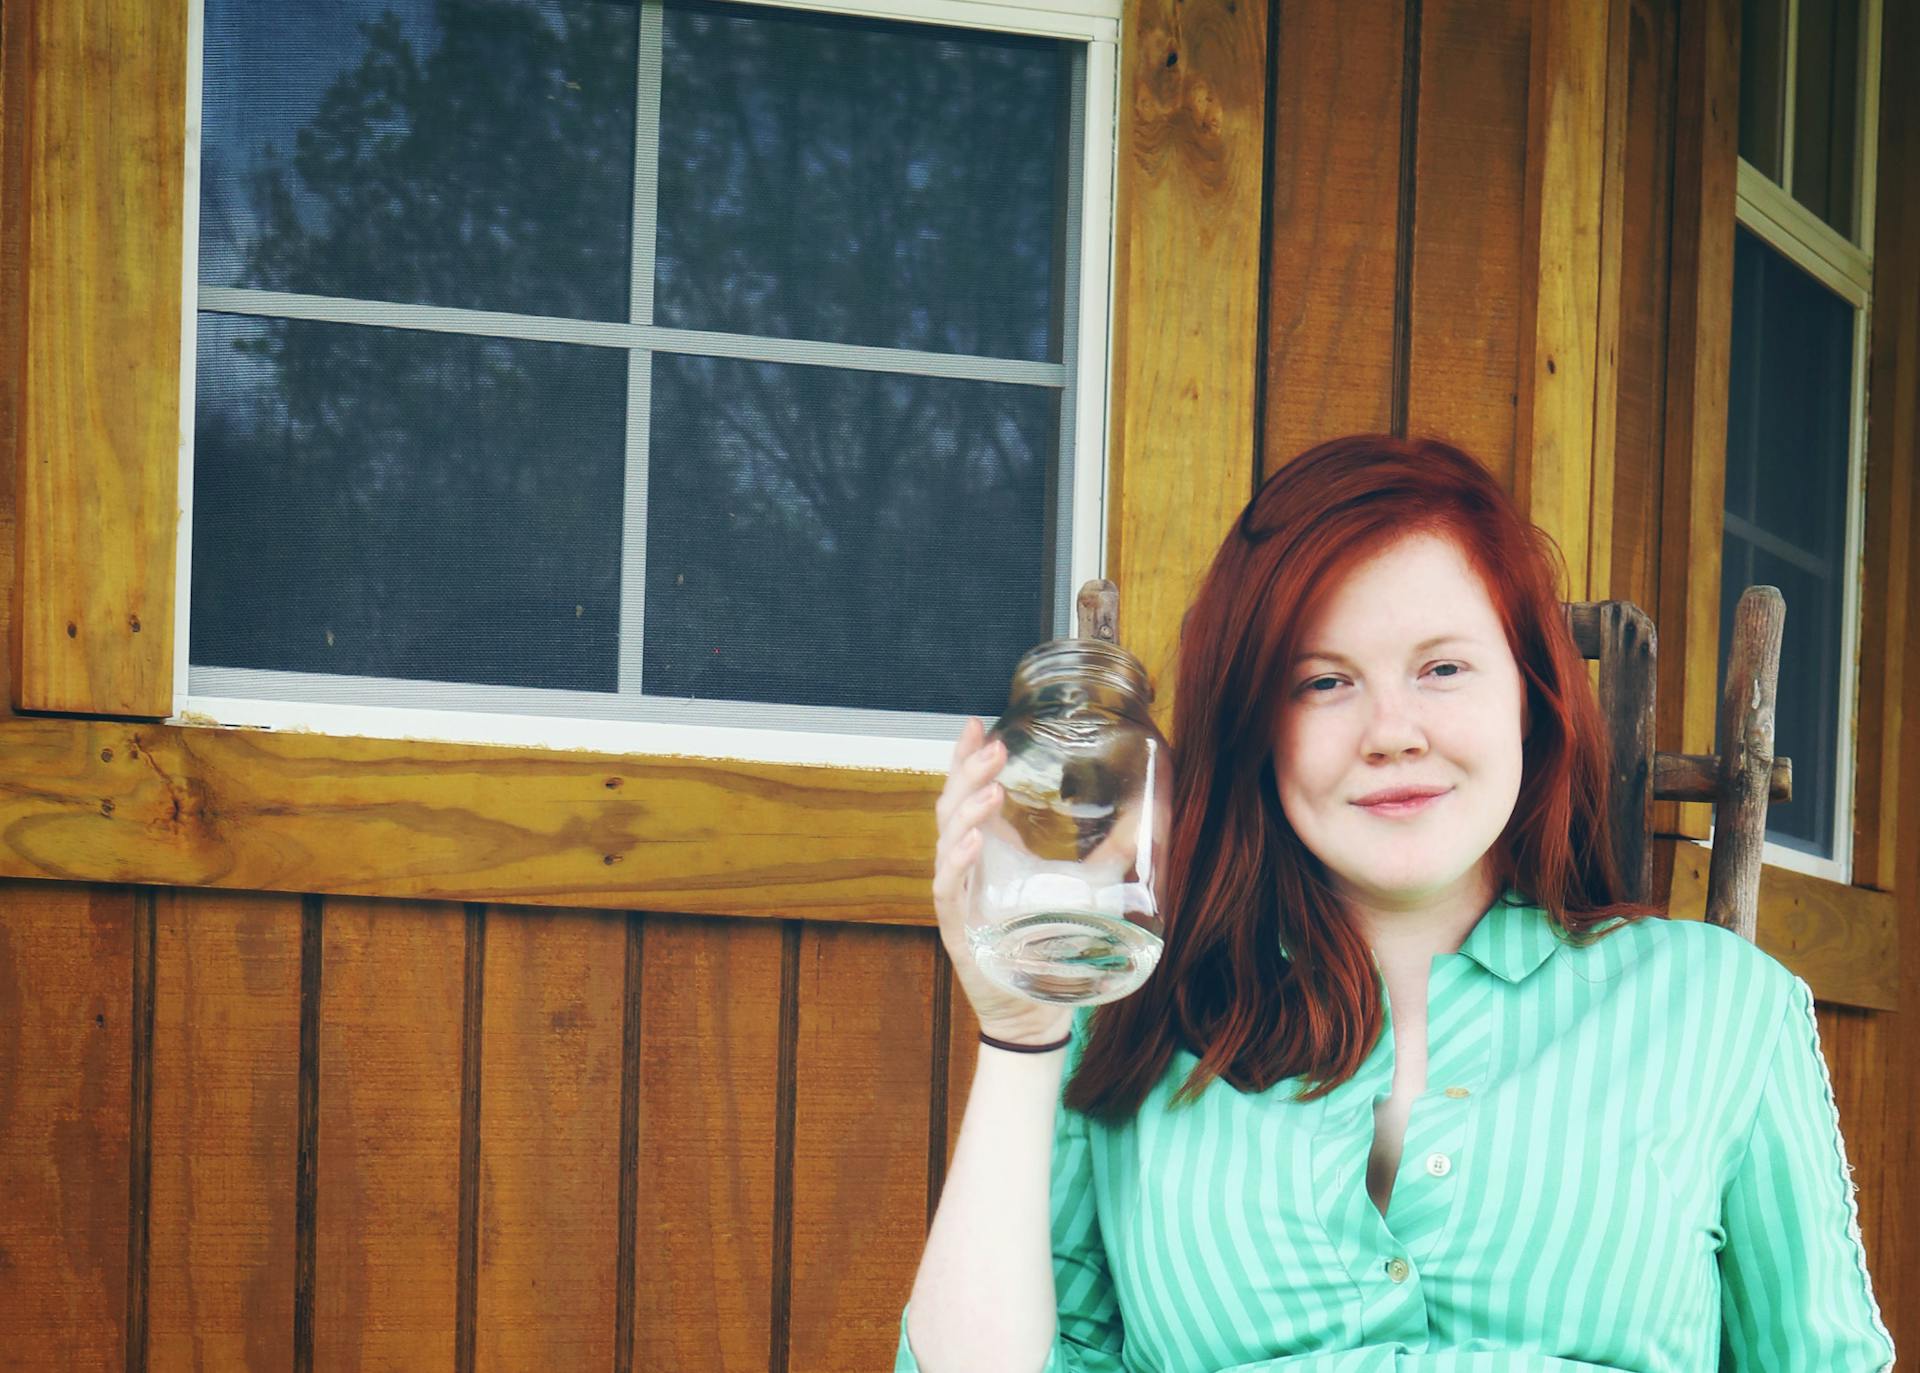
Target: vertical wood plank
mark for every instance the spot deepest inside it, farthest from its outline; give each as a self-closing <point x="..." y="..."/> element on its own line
<point x="1899" y="1192"/>
<point x="710" y="1013"/>
<point x="388" y="1173"/>
<point x="1333" y="195"/>
<point x="1603" y="407"/>
<point x="1561" y="275"/>
<point x="1641" y="392"/>
<point x="1858" y="1046"/>
<point x="100" y="399"/>
<point x="226" y="1069"/>
<point x="963" y="1056"/>
<point x="860" y="1142"/>
<point x="549" y="1139"/>
<point x="1185" y="363"/>
<point x="66" y="1045"/>
<point x="1885" y="808"/>
<point x="1470" y="199"/>
<point x="1699" y="343"/>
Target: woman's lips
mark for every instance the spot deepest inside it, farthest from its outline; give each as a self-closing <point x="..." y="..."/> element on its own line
<point x="1395" y="809"/>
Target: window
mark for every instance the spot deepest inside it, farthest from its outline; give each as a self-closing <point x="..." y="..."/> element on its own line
<point x="663" y="375"/>
<point x="1797" y="389"/>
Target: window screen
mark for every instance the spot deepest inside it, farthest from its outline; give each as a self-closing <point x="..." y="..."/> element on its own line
<point x="1790" y="397"/>
<point x="678" y="361"/>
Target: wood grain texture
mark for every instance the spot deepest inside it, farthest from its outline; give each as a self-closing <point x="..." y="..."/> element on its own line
<point x="963" y="1056"/>
<point x="1699" y="343"/>
<point x="16" y="35"/>
<point x="1466" y="284"/>
<point x="1628" y="653"/>
<point x="1747" y="711"/>
<point x="99" y="405"/>
<point x="1695" y="777"/>
<point x="1644" y="285"/>
<point x="549" y="1139"/>
<point x="1333" y="195"/>
<point x="1186" y="323"/>
<point x="254" y="810"/>
<point x="1892" y="1156"/>
<point x="66" y="1043"/>
<point x="1845" y="941"/>
<point x="711" y="1015"/>
<point x="1893" y="467"/>
<point x="225" y="1104"/>
<point x="1877" y="1073"/>
<point x="388" y="1173"/>
<point x="860" y="1142"/>
<point x="1603" y="408"/>
<point x="1561" y="273"/>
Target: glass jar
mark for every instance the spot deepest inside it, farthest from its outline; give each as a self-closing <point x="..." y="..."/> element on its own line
<point x="1067" y="889"/>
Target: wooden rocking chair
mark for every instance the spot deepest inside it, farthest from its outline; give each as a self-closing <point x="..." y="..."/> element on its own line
<point x="1738" y="783"/>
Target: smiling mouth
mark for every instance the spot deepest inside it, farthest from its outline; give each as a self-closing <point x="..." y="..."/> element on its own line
<point x="1411" y="806"/>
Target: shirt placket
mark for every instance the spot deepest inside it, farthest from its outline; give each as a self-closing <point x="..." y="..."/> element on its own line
<point x="1384" y="1255"/>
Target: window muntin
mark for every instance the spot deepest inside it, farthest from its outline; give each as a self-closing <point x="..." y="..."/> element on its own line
<point x="971" y="500"/>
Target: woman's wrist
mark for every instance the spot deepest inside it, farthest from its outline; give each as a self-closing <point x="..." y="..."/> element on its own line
<point x="1022" y="1047"/>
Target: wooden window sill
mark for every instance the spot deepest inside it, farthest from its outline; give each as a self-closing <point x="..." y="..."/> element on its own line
<point x="211" y="806"/>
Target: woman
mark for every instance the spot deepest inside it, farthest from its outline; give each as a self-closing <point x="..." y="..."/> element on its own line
<point x="1413" y="1087"/>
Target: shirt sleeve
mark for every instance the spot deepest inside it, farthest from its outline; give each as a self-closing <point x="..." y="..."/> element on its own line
<point x="1088" y="1339"/>
<point x="1795" y="1294"/>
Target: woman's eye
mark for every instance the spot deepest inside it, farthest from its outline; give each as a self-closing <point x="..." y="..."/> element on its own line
<point x="1456" y="668"/>
<point x="1317" y="682"/>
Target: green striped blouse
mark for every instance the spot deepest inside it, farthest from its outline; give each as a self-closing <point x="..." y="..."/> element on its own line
<point x="1627" y="1157"/>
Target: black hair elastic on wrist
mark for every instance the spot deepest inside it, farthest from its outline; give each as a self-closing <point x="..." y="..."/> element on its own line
<point x="986" y="1038"/>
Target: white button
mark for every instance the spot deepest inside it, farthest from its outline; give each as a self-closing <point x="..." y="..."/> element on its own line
<point x="1439" y="1165"/>
<point x="1397" y="1269"/>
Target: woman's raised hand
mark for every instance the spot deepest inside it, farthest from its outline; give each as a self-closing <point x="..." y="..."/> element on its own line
<point x="970" y="796"/>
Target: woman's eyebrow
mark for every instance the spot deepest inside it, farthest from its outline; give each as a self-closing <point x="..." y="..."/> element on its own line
<point x="1423" y="646"/>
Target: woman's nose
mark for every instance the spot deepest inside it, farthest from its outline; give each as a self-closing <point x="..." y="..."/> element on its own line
<point x="1393" y="726"/>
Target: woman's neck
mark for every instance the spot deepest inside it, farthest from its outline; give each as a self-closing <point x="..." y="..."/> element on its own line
<point x="1408" y="935"/>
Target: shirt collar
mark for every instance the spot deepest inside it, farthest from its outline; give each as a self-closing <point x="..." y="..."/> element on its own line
<point x="1513" y="938"/>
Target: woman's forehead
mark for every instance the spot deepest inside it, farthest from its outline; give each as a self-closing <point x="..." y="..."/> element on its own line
<point x="1420" y="586"/>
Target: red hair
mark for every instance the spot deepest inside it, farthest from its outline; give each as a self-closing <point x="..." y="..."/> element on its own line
<point x="1240" y="884"/>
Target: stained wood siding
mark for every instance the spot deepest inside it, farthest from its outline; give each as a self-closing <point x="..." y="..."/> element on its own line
<point x="295" y="1128"/>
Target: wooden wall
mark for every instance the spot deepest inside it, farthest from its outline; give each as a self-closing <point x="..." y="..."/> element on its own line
<point x="266" y="1129"/>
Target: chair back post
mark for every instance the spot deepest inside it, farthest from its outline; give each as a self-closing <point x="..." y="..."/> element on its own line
<point x="1622" y="638"/>
<point x="1746" y="762"/>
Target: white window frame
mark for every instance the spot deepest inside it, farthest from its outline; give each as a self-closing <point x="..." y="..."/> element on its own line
<point x="1766" y="209"/>
<point x="915" y="741"/>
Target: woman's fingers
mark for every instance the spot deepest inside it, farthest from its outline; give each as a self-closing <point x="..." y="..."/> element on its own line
<point x="949" y="877"/>
<point x="964" y="780"/>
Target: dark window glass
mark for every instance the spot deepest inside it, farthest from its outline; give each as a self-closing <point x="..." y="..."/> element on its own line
<point x="1789" y="400"/>
<point x="1826" y="110"/>
<point x="840" y="538"/>
<point x="430" y="152"/>
<point x="1763" y="84"/>
<point x="854" y="181"/>
<point x="377" y="502"/>
<point x="420" y="505"/>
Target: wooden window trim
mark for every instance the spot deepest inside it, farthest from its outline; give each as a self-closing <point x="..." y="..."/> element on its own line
<point x="118" y="793"/>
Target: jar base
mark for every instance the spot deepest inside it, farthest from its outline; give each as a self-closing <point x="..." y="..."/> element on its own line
<point x="1068" y="958"/>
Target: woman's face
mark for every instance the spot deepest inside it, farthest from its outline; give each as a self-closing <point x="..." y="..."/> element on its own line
<point x="1406" y="682"/>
